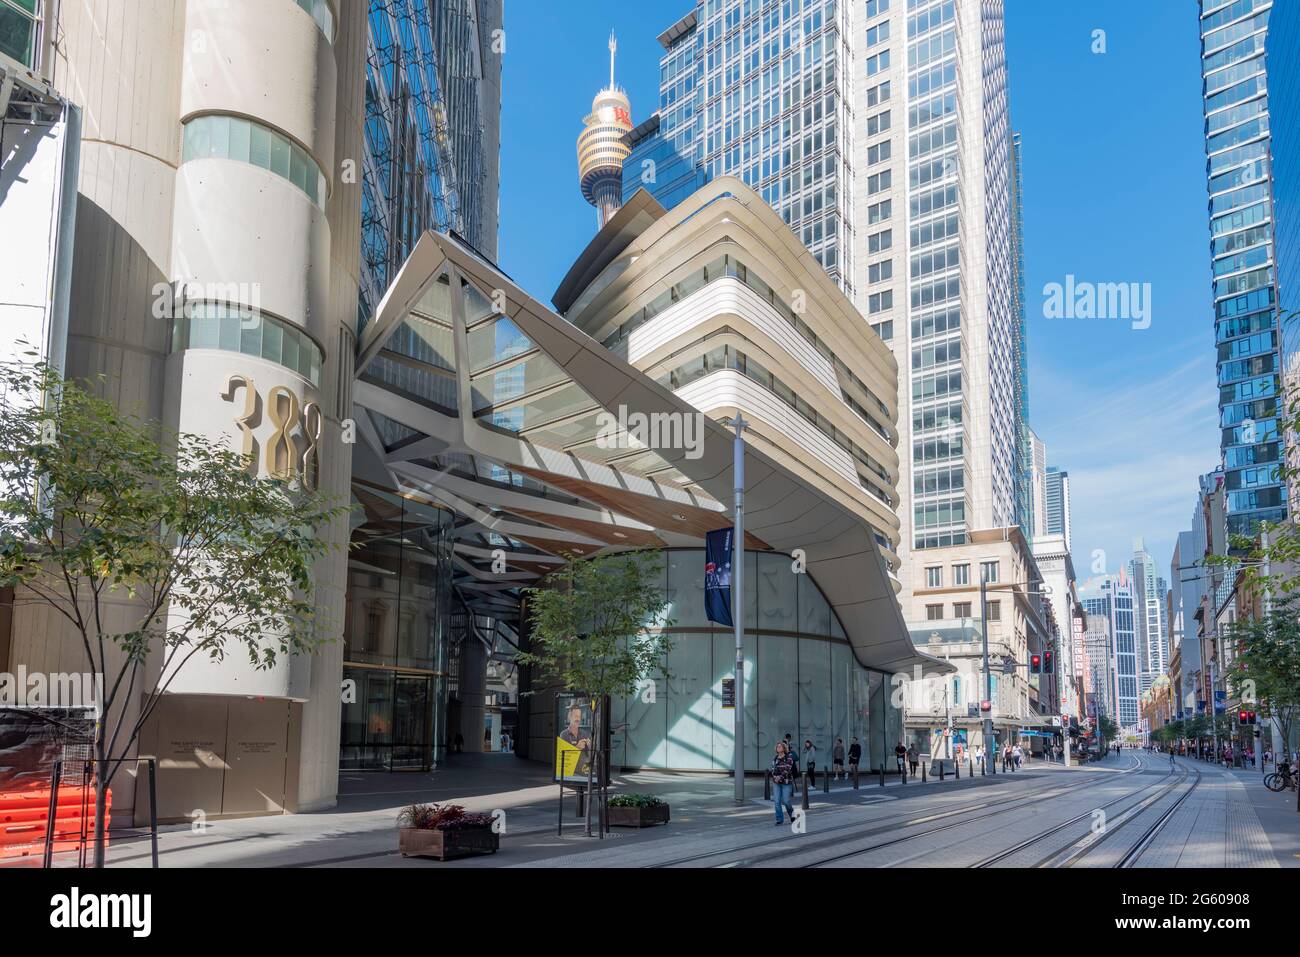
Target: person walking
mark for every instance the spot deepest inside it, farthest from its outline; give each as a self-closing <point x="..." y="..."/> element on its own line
<point x="979" y="756"/>
<point x="837" y="759"/>
<point x="1018" y="755"/>
<point x="913" y="758"/>
<point x="782" y="771"/>
<point x="855" y="756"/>
<point x="900" y="757"/>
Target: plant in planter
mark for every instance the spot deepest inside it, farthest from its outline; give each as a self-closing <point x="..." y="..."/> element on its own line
<point x="444" y="831"/>
<point x="637" y="810"/>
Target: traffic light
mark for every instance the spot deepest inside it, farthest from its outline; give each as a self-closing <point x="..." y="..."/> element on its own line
<point x="1035" y="664"/>
<point x="1047" y="663"/>
<point x="1246" y="717"/>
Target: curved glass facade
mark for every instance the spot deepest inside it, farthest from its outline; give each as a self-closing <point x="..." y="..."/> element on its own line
<point x="216" y="325"/>
<point x="215" y="136"/>
<point x="800" y="677"/>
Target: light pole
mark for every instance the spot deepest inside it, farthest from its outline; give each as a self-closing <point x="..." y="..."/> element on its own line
<point x="984" y="637"/>
<point x="738" y="598"/>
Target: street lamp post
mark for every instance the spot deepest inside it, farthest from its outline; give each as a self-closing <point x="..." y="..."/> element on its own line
<point x="738" y="599"/>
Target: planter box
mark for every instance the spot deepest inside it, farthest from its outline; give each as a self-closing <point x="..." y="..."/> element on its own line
<point x="445" y="845"/>
<point x="637" y="816"/>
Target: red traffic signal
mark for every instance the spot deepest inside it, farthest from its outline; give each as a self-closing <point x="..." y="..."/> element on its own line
<point x="1246" y="717"/>
<point x="1036" y="664"/>
<point x="1047" y="663"/>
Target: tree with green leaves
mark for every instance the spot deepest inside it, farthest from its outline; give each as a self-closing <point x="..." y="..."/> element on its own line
<point x="597" y="629"/>
<point x="1107" y="728"/>
<point x="152" y="548"/>
<point x="1266" y="672"/>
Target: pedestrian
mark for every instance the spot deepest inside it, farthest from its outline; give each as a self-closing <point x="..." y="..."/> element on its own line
<point x="979" y="756"/>
<point x="837" y="759"/>
<point x="913" y="757"/>
<point x="855" y="756"/>
<point x="782" y="771"/>
<point x="1018" y="755"/>
<point x="900" y="757"/>
<point x="1006" y="758"/>
<point x="810" y="760"/>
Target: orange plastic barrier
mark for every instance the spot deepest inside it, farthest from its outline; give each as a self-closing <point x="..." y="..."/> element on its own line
<point x="23" y="816"/>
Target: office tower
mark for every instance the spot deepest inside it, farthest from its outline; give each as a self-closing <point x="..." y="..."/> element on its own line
<point x="1057" y="501"/>
<point x="1149" y="616"/>
<point x="937" y="238"/>
<point x="432" y="139"/>
<point x="1283" y="59"/>
<point x="1037" y="485"/>
<point x="432" y="132"/>
<point x="762" y="93"/>
<point x="1025" y="473"/>
<point x="238" y="216"/>
<point x="1099" y="655"/>
<point x="1110" y="597"/>
<point x="1242" y="250"/>
<point x="602" y="146"/>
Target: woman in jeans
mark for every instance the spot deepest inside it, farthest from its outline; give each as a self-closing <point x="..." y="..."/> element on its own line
<point x="782" y="771"/>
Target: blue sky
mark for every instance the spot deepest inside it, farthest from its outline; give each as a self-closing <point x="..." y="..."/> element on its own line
<point x="1114" y="191"/>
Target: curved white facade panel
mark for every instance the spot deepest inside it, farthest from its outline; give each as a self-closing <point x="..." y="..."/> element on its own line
<point x="236" y="224"/>
<point x="731" y="390"/>
<point x="200" y="382"/>
<point x="728" y="298"/>
<point x="225" y="70"/>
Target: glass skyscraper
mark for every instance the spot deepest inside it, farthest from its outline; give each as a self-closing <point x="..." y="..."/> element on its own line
<point x="759" y="90"/>
<point x="1111" y="598"/>
<point x="1237" y="131"/>
<point x="432" y="131"/>
<point x="1283" y="51"/>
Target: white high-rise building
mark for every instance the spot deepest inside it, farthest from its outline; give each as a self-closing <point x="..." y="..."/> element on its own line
<point x="1149" y="617"/>
<point x="937" y="264"/>
<point x="1038" y="486"/>
<point x="879" y="130"/>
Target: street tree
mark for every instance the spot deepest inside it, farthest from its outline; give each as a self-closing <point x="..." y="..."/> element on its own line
<point x="153" y="548"/>
<point x="597" y="629"/>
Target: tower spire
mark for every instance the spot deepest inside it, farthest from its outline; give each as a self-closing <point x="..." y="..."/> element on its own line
<point x="613" y="45"/>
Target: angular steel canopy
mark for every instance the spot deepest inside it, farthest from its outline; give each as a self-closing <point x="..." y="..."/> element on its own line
<point x="484" y="401"/>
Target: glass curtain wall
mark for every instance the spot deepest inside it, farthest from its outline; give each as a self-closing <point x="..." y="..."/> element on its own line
<point x="395" y="635"/>
<point x="800" y="677"/>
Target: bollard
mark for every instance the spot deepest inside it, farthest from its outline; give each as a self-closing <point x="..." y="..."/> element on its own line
<point x="982" y="763"/>
<point x="903" y="773"/>
<point x="941" y="770"/>
<point x="581" y="805"/>
<point x="767" y="785"/>
<point x="805" y="791"/>
<point x="956" y="770"/>
<point x="882" y="775"/>
<point x="855" y="777"/>
<point x="826" y="781"/>
<point x="970" y="767"/>
<point x="923" y="774"/>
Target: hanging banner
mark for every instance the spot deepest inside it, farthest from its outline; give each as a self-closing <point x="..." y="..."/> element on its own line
<point x="717" y="576"/>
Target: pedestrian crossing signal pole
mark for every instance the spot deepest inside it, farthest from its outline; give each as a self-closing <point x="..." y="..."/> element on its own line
<point x="738" y="598"/>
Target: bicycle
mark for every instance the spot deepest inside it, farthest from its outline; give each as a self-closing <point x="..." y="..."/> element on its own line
<point x="1281" y="779"/>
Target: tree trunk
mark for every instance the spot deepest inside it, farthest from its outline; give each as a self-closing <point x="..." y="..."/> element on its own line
<point x="101" y="794"/>
<point x="591" y="752"/>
